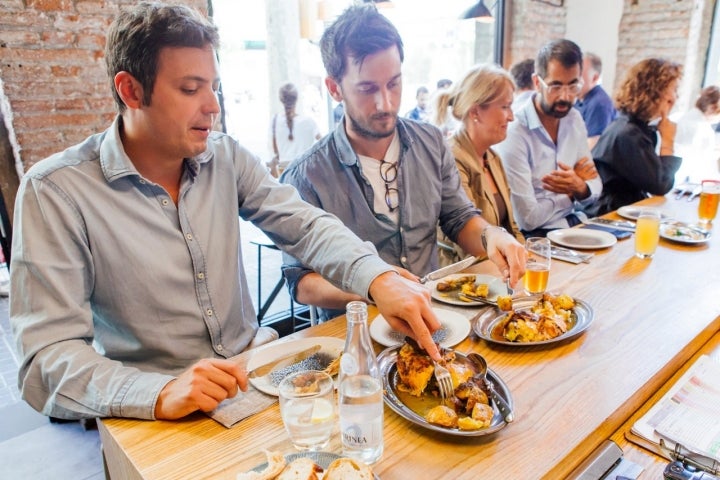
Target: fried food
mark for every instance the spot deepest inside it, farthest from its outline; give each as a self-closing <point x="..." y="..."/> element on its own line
<point x="548" y="318"/>
<point x="442" y="415"/>
<point x="415" y="370"/>
<point x="504" y="302"/>
<point x="480" y="290"/>
<point x="449" y="284"/>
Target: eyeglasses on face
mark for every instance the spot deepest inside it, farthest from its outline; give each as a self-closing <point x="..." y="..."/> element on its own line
<point x="388" y="174"/>
<point x="572" y="89"/>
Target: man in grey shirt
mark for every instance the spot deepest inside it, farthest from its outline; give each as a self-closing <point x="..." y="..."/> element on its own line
<point x="389" y="179"/>
<point x="128" y="295"/>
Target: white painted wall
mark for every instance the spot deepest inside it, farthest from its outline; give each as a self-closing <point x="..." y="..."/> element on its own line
<point x="594" y="26"/>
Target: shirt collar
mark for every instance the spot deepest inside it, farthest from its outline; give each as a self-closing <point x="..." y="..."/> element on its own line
<point x="116" y="164"/>
<point x="347" y="155"/>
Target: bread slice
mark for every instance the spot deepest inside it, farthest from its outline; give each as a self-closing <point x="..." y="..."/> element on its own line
<point x="348" y="469"/>
<point x="276" y="464"/>
<point x="300" y="469"/>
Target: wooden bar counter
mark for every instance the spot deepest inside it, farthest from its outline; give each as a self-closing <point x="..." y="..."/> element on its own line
<point x="650" y="318"/>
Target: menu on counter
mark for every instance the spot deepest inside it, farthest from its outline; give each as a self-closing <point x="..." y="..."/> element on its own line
<point x="685" y="422"/>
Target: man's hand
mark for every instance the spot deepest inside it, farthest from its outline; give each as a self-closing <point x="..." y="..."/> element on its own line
<point x="585" y="169"/>
<point x="201" y="387"/>
<point x="406" y="307"/>
<point x="667" y="130"/>
<point x="566" y="180"/>
<point x="506" y="253"/>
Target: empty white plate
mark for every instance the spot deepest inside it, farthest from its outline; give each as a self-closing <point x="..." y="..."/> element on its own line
<point x="582" y="238"/>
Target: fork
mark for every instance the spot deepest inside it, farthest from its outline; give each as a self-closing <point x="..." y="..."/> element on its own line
<point x="442" y="375"/>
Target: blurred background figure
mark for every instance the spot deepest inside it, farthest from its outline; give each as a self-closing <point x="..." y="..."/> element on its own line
<point x="448" y="125"/>
<point x="594" y="103"/>
<point x="626" y="155"/>
<point x="695" y="140"/>
<point x="482" y="102"/>
<point x="290" y="132"/>
<point x="522" y="75"/>
<point x="420" y="113"/>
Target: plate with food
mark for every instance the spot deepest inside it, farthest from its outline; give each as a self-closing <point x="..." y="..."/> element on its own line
<point x="454" y="288"/>
<point x="535" y="320"/>
<point x="582" y="238"/>
<point x="310" y="464"/>
<point x="632" y="212"/>
<point x="454" y="328"/>
<point x="684" y="233"/>
<point x="411" y="391"/>
<point x="270" y="364"/>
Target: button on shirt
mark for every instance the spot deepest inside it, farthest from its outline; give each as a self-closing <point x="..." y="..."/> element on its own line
<point x="330" y="176"/>
<point x="528" y="154"/>
<point x="115" y="289"/>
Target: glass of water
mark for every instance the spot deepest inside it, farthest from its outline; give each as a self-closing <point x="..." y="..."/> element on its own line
<point x="307" y="406"/>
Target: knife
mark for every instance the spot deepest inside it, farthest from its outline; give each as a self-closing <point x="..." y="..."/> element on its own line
<point x="694" y="194"/>
<point x="450" y="269"/>
<point x="284" y="361"/>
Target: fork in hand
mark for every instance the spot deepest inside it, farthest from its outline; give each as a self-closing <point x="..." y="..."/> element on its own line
<point x="444" y="381"/>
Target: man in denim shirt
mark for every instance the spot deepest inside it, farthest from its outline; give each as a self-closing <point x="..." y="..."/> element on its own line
<point x="128" y="294"/>
<point x="388" y="179"/>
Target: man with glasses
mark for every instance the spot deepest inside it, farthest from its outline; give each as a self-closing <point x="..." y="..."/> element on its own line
<point x="545" y="154"/>
<point x="388" y="179"/>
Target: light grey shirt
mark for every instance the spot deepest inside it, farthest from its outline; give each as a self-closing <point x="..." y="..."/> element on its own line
<point x="528" y="154"/>
<point x="115" y="289"/>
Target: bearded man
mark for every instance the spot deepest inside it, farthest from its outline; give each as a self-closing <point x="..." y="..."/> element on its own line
<point x="388" y="179"/>
<point x="547" y="160"/>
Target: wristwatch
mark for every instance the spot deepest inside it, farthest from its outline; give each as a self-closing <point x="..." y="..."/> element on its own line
<point x="483" y="235"/>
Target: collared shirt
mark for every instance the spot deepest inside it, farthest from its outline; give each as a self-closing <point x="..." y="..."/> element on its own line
<point x="597" y="110"/>
<point x="115" y="289"/>
<point x="528" y="154"/>
<point x="330" y="176"/>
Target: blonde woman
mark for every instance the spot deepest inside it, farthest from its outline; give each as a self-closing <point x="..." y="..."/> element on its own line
<point x="482" y="101"/>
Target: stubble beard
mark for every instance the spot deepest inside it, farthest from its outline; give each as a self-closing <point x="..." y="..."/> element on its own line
<point x="372" y="134"/>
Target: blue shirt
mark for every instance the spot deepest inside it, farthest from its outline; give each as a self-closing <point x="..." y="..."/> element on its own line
<point x="528" y="154"/>
<point x="330" y="176"/>
<point x="597" y="111"/>
<point x="115" y="289"/>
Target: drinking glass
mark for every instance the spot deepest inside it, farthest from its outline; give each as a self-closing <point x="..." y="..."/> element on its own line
<point x="537" y="268"/>
<point x="307" y="407"/>
<point x="708" y="202"/>
<point x="647" y="232"/>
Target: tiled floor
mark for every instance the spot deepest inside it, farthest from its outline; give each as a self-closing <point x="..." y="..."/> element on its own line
<point x="32" y="447"/>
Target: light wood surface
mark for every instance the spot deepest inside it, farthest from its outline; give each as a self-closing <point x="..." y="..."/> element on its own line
<point x="651" y="317"/>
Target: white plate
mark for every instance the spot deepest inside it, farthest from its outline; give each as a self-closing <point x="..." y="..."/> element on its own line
<point x="495" y="287"/>
<point x="453" y="330"/>
<point x="331" y="348"/>
<point x="684" y="233"/>
<point x="583" y="238"/>
<point x="631" y="212"/>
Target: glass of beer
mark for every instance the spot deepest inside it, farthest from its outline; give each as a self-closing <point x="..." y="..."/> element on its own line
<point x="537" y="268"/>
<point x="708" y="202"/>
<point x="647" y="232"/>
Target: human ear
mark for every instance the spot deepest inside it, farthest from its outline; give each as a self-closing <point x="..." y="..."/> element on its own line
<point x="334" y="89"/>
<point x="129" y="89"/>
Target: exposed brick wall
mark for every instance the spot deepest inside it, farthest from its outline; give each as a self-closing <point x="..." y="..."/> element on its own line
<point x="53" y="73"/>
<point x="531" y="24"/>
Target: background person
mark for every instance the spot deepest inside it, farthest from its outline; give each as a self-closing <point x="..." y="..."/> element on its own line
<point x="545" y="155"/>
<point x="291" y="133"/>
<point x="695" y="140"/>
<point x="128" y="292"/>
<point x="389" y="179"/>
<point x="420" y="113"/>
<point x="594" y="103"/>
<point x="522" y="75"/>
<point x="626" y="154"/>
<point x="482" y="100"/>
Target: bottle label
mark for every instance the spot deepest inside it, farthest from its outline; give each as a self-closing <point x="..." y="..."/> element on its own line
<point x="361" y="426"/>
<point x="348" y="364"/>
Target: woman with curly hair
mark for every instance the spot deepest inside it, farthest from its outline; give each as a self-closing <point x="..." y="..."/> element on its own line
<point x="635" y="156"/>
<point x="482" y="101"/>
